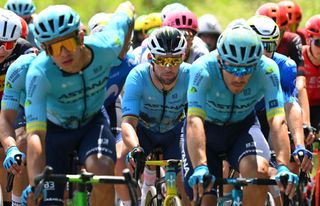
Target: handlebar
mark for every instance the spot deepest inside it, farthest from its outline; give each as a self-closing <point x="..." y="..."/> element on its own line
<point x="10" y="176"/>
<point x="85" y="178"/>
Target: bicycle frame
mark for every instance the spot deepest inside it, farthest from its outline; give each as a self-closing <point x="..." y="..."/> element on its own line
<point x="170" y="177"/>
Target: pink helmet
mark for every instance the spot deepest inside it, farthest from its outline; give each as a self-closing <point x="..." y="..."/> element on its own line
<point x="182" y="20"/>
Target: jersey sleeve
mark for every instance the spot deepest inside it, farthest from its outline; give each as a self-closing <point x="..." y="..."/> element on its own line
<point x="113" y="35"/>
<point x="272" y="91"/>
<point x="14" y="86"/>
<point x="197" y="89"/>
<point x="132" y="93"/>
<point x="37" y="86"/>
<point x="288" y="81"/>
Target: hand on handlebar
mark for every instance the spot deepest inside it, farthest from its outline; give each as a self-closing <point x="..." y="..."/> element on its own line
<point x="10" y="163"/>
<point x="131" y="157"/>
<point x="196" y="181"/>
<point x="26" y="196"/>
<point x="304" y="158"/>
<point x="309" y="133"/>
<point x="291" y="180"/>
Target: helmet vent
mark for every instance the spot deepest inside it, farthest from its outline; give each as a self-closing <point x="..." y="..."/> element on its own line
<point x="13" y="31"/>
<point x="243" y="52"/>
<point x="224" y="49"/>
<point x="190" y="22"/>
<point x="233" y="50"/>
<point x="253" y="48"/>
<point x="43" y="28"/>
<point x="70" y="19"/>
<point x="20" y="7"/>
<point x="51" y="24"/>
<point x="184" y="20"/>
<point x="61" y="20"/>
<point x="14" y="7"/>
<point x="5" y="28"/>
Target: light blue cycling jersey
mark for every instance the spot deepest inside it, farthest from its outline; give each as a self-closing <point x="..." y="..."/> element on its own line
<point x="288" y="73"/>
<point x="157" y="110"/>
<point x="209" y="97"/>
<point x="14" y="91"/>
<point x="72" y="100"/>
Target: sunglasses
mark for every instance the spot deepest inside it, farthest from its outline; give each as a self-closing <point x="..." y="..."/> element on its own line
<point x="238" y="71"/>
<point x="167" y="61"/>
<point x="7" y="45"/>
<point x="316" y="42"/>
<point x="270" y="46"/>
<point x="69" y="44"/>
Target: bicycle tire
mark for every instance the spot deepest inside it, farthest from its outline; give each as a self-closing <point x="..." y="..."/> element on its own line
<point x="172" y="201"/>
<point x="151" y="197"/>
<point x="270" y="201"/>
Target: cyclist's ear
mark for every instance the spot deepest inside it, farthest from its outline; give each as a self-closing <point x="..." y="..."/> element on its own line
<point x="81" y="37"/>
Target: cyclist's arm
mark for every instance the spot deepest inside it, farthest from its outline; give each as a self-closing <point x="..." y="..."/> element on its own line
<point x="7" y="121"/>
<point x="35" y="109"/>
<point x="275" y="113"/>
<point x="303" y="98"/>
<point x="131" y="108"/>
<point x="196" y="140"/>
<point x="128" y="129"/>
<point x="294" y="118"/>
<point x="197" y="89"/>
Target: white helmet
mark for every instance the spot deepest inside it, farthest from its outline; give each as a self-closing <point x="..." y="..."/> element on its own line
<point x="167" y="40"/>
<point x="208" y="23"/>
<point x="101" y="18"/>
<point x="265" y="27"/>
<point x="10" y="25"/>
<point x="171" y="8"/>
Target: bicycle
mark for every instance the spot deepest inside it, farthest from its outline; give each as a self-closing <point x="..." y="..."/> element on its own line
<point x="85" y="180"/>
<point x="155" y="195"/>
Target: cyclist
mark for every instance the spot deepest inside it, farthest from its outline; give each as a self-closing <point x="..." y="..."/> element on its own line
<point x="152" y="116"/>
<point x="289" y="45"/>
<point x="138" y="36"/>
<point x="65" y="88"/>
<point x="310" y="72"/>
<point x="295" y="16"/>
<point x="187" y="22"/>
<point x="12" y="46"/>
<point x="268" y="32"/>
<point x="223" y="89"/>
<point x="209" y="30"/>
<point x="98" y="21"/>
<point x="26" y="10"/>
<point x="151" y="22"/>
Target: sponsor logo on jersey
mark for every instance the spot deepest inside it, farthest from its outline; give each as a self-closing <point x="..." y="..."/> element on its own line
<point x="270" y="70"/>
<point x="273" y="103"/>
<point x="193" y="90"/>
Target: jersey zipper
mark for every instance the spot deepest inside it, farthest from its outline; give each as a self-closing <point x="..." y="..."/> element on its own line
<point x="231" y="110"/>
<point x="84" y="98"/>
<point x="164" y="93"/>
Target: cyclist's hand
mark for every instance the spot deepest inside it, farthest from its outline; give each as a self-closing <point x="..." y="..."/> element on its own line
<point x="306" y="156"/>
<point x="309" y="133"/>
<point x="290" y="188"/>
<point x="126" y="7"/>
<point x="10" y="163"/>
<point x="131" y="157"/>
<point x="196" y="181"/>
<point x="26" y="196"/>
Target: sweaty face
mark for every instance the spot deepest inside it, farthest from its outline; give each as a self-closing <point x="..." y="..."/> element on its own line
<point x="6" y="49"/>
<point x="167" y="68"/>
<point x="65" y="51"/>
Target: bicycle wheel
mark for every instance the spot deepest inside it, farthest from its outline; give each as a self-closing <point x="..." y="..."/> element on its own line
<point x="269" y="200"/>
<point x="172" y="201"/>
<point x="151" y="197"/>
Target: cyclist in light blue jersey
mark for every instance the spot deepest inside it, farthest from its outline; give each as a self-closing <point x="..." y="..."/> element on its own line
<point x="223" y="89"/>
<point x="269" y="33"/>
<point x="65" y="87"/>
<point x="154" y="100"/>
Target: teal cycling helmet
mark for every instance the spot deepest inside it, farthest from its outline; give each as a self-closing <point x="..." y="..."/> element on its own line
<point x="21" y="7"/>
<point x="55" y="21"/>
<point x="240" y="45"/>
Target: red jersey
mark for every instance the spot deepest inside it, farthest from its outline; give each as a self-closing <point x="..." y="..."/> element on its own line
<point x="302" y="33"/>
<point x="290" y="46"/>
<point x="312" y="74"/>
